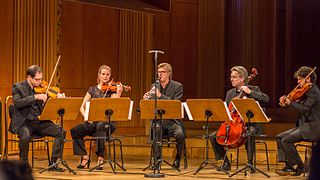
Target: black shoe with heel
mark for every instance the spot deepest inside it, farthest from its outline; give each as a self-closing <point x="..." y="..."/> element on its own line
<point x="83" y="165"/>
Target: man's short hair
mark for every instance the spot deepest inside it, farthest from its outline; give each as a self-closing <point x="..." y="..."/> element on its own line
<point x="304" y="71"/>
<point x="167" y="67"/>
<point x="241" y="70"/>
<point x="33" y="70"/>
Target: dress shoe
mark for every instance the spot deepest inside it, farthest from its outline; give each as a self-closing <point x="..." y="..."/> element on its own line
<point x="56" y="168"/>
<point x="176" y="164"/>
<point x="299" y="171"/>
<point x="226" y="166"/>
<point x="286" y="171"/>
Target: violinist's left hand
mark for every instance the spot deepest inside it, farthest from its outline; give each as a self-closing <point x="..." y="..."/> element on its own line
<point x="246" y="89"/>
<point x="119" y="89"/>
<point x="61" y="95"/>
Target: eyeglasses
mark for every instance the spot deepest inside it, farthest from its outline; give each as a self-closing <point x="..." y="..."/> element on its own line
<point x="234" y="77"/>
<point x="161" y="72"/>
<point x="37" y="79"/>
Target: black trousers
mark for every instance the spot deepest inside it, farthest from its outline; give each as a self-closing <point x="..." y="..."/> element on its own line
<point x="37" y="129"/>
<point x="287" y="151"/>
<point x="172" y="128"/>
<point x="220" y="152"/>
<point x="95" y="129"/>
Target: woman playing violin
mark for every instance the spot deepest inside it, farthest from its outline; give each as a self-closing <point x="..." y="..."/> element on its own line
<point x="238" y="78"/>
<point x="27" y="107"/>
<point x="99" y="129"/>
<point x="307" y="124"/>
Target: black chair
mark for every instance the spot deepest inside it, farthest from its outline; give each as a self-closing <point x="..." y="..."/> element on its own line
<point x="15" y="138"/>
<point x="307" y="152"/>
<point x="258" y="140"/>
<point x="113" y="140"/>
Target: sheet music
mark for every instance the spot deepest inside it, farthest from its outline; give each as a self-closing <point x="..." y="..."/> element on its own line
<point x="186" y="107"/>
<point x="130" y="110"/>
<point x="264" y="114"/>
<point x="227" y="110"/>
<point x="86" y="111"/>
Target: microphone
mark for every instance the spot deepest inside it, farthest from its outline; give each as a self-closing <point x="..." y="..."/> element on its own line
<point x="156" y="51"/>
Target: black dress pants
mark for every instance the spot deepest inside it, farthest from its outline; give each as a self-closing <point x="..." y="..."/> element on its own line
<point x="36" y="128"/>
<point x="95" y="129"/>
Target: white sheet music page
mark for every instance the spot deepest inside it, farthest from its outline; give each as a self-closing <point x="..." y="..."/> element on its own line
<point x="86" y="111"/>
<point x="186" y="107"/>
<point x="130" y="110"/>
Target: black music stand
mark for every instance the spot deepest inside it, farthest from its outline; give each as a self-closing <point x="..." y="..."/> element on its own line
<point x="253" y="112"/>
<point x="207" y="110"/>
<point x="103" y="108"/>
<point x="61" y="109"/>
<point x="166" y="109"/>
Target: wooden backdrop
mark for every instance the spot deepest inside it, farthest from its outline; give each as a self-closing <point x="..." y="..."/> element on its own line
<point x="202" y="39"/>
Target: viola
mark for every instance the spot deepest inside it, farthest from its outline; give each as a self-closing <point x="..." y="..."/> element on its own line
<point x="298" y="92"/>
<point x="112" y="87"/>
<point x="232" y="133"/>
<point x="42" y="89"/>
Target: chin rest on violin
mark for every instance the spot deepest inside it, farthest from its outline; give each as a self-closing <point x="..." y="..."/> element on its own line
<point x="42" y="89"/>
<point x="112" y="87"/>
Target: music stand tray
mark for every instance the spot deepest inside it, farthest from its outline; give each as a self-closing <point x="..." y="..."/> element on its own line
<point x="102" y="109"/>
<point x="207" y="110"/>
<point x="250" y="111"/>
<point x="166" y="109"/>
<point x="61" y="109"/>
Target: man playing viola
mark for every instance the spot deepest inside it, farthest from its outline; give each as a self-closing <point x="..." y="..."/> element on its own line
<point x="238" y="78"/>
<point x="307" y="124"/>
<point x="25" y="111"/>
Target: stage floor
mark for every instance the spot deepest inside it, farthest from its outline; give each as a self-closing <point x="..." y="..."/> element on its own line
<point x="134" y="166"/>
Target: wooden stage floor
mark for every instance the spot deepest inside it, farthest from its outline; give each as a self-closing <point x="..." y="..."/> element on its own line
<point x="134" y="166"/>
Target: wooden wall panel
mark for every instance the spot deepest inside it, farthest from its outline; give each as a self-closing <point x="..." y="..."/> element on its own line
<point x="183" y="44"/>
<point x="72" y="49"/>
<point x="101" y="42"/>
<point x="211" y="38"/>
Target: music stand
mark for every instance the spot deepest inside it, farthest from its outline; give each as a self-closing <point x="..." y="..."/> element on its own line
<point x="166" y="109"/>
<point x="102" y="109"/>
<point x="253" y="112"/>
<point x="61" y="109"/>
<point x="207" y="110"/>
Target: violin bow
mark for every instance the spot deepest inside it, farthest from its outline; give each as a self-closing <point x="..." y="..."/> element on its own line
<point x="54" y="70"/>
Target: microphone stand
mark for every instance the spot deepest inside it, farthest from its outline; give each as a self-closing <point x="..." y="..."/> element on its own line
<point x="156" y="172"/>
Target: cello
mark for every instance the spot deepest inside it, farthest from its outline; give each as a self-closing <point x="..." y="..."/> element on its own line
<point x="232" y="132"/>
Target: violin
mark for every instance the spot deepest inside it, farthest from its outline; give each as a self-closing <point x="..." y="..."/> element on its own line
<point x="112" y="87"/>
<point x="231" y="133"/>
<point x="42" y="89"/>
<point x="298" y="92"/>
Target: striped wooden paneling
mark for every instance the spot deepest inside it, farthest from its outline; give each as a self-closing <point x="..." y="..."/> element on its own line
<point x="35" y="36"/>
<point x="135" y="64"/>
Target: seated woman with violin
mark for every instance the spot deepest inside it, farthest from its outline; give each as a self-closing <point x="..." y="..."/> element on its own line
<point x="304" y="99"/>
<point x="104" y="89"/>
<point x="239" y="79"/>
<point x="27" y="107"/>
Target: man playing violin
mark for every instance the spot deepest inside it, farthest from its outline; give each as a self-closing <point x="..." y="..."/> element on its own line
<point x="307" y="124"/>
<point x="169" y="89"/>
<point x="25" y="111"/>
<point x="95" y="129"/>
<point x="238" y="77"/>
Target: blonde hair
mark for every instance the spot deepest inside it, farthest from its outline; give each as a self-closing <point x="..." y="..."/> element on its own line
<point x="241" y="70"/>
<point x="167" y="67"/>
<point x="100" y="69"/>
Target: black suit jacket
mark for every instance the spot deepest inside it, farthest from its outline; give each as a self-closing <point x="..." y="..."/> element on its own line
<point x="308" y="110"/>
<point x="256" y="94"/>
<point x="25" y="106"/>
